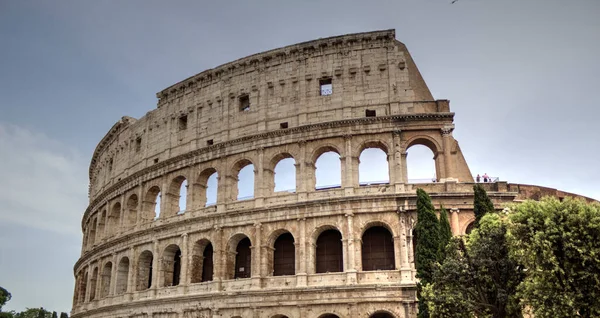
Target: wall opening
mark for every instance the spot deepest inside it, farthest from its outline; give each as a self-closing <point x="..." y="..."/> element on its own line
<point x="171" y="265"/>
<point x="211" y="189"/>
<point x="420" y="165"/>
<point x="122" y="276"/>
<point x="106" y="277"/>
<point x="284" y="255"/>
<point x="329" y="258"/>
<point x="470" y="228"/>
<point x="151" y="204"/>
<point x="144" y="271"/>
<point x="130" y="217"/>
<point x="370" y="113"/>
<point x="245" y="184"/>
<point x="243" y="259"/>
<point x="138" y="144"/>
<point x="202" y="262"/>
<point x="329" y="316"/>
<point x="326" y="86"/>
<point x="373" y="167"/>
<point x="102" y="225"/>
<point x="328" y="171"/>
<point x="377" y="249"/>
<point x="113" y="219"/>
<point x="93" y="282"/>
<point x="83" y="288"/>
<point x="285" y="175"/>
<point x="381" y="315"/>
<point x="92" y="233"/>
<point x="244" y="102"/>
<point x="182" y="123"/>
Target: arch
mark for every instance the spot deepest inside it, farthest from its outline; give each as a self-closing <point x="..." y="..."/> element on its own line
<point x="152" y="204"/>
<point x="202" y="262"/>
<point x="377" y="249"/>
<point x="208" y="181"/>
<point x="144" y="271"/>
<point x="130" y="215"/>
<point x="329" y="316"/>
<point x="122" y="276"/>
<point x="470" y="227"/>
<point x="328" y="168"/>
<point x="373" y="165"/>
<point x="171" y="266"/>
<point x="83" y="287"/>
<point x="284" y="173"/>
<point x="177" y="195"/>
<point x="279" y="316"/>
<point x="101" y="225"/>
<point x="243" y="172"/>
<point x="329" y="252"/>
<point x="93" y="282"/>
<point x="239" y="258"/>
<point x="92" y="233"/>
<point x="113" y="218"/>
<point x="421" y="164"/>
<point x="283" y="255"/>
<point x="105" y="281"/>
<point x="382" y="314"/>
<point x="424" y="140"/>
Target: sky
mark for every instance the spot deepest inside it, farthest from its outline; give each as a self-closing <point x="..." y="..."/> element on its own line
<point x="520" y="75"/>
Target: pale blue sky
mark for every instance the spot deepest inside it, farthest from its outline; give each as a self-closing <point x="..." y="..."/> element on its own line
<point x="521" y="77"/>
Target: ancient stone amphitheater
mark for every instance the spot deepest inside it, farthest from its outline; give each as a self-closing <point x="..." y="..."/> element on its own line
<point x="157" y="245"/>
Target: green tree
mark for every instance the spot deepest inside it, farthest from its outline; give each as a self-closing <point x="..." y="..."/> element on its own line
<point x="5" y="296"/>
<point x="427" y="232"/>
<point x="445" y="233"/>
<point x="54" y="314"/>
<point x="64" y="315"/>
<point x="481" y="203"/>
<point x="477" y="278"/>
<point x="559" y="245"/>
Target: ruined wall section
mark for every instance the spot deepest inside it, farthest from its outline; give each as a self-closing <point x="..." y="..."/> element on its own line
<point x="369" y="71"/>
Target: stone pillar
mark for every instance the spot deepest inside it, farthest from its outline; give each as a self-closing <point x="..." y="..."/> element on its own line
<point x="301" y="255"/>
<point x="395" y="162"/>
<point x="301" y="179"/>
<point x="88" y="285"/>
<point x="409" y="245"/>
<point x="398" y="252"/>
<point x="351" y="278"/>
<point x="404" y="261"/>
<point x="184" y="277"/>
<point x="255" y="273"/>
<point x="219" y="261"/>
<point x="349" y="167"/>
<point x="121" y="216"/>
<point x="165" y="199"/>
<point x="155" y="265"/>
<point x="260" y="182"/>
<point x="113" y="276"/>
<point x="404" y="164"/>
<point x="132" y="270"/>
<point x="454" y="221"/>
<point x="447" y="140"/>
<point x="140" y="206"/>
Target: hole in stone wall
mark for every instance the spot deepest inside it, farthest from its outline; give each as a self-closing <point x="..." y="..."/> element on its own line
<point x="138" y="144"/>
<point x="244" y="101"/>
<point x="283" y="125"/>
<point x="246" y="183"/>
<point x="209" y="142"/>
<point x="370" y="113"/>
<point x="420" y="164"/>
<point x="182" y="122"/>
<point x="326" y="86"/>
<point x="155" y="160"/>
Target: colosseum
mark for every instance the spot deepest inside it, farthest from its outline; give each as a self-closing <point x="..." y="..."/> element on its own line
<point x="170" y="232"/>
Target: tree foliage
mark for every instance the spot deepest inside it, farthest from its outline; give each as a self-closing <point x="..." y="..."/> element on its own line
<point x="427" y="238"/>
<point x="5" y="296"/>
<point x="445" y="233"/>
<point x="559" y="244"/>
<point x="64" y="315"/>
<point x="481" y="203"/>
<point x="477" y="278"/>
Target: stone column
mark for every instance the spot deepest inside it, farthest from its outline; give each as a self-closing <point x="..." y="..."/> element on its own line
<point x="349" y="167"/>
<point x="301" y="178"/>
<point x="184" y="277"/>
<point x="219" y="261"/>
<point x="403" y="156"/>
<point x="395" y="162"/>
<point x="260" y="182"/>
<point x="113" y="276"/>
<point x="454" y="221"/>
<point x="140" y="206"/>
<point x="351" y="278"/>
<point x="447" y="140"/>
<point x="132" y="270"/>
<point x="301" y="255"/>
<point x="255" y="273"/>
<point x="155" y="265"/>
<point x="121" y="215"/>
<point x="404" y="261"/>
<point x="164" y="200"/>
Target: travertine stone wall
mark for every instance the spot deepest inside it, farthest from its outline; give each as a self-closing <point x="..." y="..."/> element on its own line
<point x="134" y="264"/>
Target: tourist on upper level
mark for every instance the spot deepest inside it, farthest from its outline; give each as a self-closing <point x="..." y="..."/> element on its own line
<point x="486" y="178"/>
<point x="478" y="179"/>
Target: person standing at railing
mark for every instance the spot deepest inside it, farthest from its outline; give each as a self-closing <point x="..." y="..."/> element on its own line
<point x="485" y="177"/>
<point x="478" y="179"/>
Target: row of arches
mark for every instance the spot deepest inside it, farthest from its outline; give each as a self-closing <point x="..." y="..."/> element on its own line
<point x="377" y="253"/>
<point x="373" y="168"/>
<point x="377" y="314"/>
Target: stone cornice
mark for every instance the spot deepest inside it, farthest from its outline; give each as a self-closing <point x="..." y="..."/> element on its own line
<point x="180" y="161"/>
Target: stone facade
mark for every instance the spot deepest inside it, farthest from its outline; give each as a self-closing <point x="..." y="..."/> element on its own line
<point x="259" y="257"/>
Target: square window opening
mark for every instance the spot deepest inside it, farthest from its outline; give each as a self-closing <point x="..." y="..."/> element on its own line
<point x="155" y="160"/>
<point x="182" y="122"/>
<point x="209" y="142"/>
<point x="138" y="144"/>
<point x="244" y="103"/>
<point x="283" y="125"/>
<point x="371" y="113"/>
<point x="326" y="86"/>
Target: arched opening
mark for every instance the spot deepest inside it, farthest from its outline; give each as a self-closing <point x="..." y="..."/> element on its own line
<point x="144" y="271"/>
<point x="102" y="225"/>
<point x="373" y="167"/>
<point x="329" y="316"/>
<point x="105" y="282"/>
<point x="285" y="175"/>
<point x="420" y="164"/>
<point x="83" y="287"/>
<point x="284" y="255"/>
<point x="92" y="233"/>
<point x="202" y="262"/>
<point x="381" y="314"/>
<point x="280" y="316"/>
<point x="171" y="265"/>
<point x="152" y="204"/>
<point x="130" y="216"/>
<point x="208" y="183"/>
<point x="113" y="219"/>
<point x="377" y="249"/>
<point x="245" y="184"/>
<point x="93" y="282"/>
<point x="329" y="252"/>
<point x="328" y="171"/>
<point x="122" y="276"/>
<point x="470" y="228"/>
<point x="177" y="196"/>
<point x="243" y="259"/>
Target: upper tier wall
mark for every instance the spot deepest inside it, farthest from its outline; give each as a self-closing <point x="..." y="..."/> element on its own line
<point x="367" y="70"/>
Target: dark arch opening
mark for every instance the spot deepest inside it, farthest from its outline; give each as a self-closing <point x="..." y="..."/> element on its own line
<point x="105" y="282"/>
<point x="172" y="265"/>
<point x="144" y="271"/>
<point x="470" y="228"/>
<point x="377" y="249"/>
<point x="122" y="276"/>
<point x="243" y="259"/>
<point x="329" y="316"/>
<point x="207" y="265"/>
<point x="381" y="315"/>
<point x="93" y="282"/>
<point x="284" y="255"/>
<point x="329" y="258"/>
